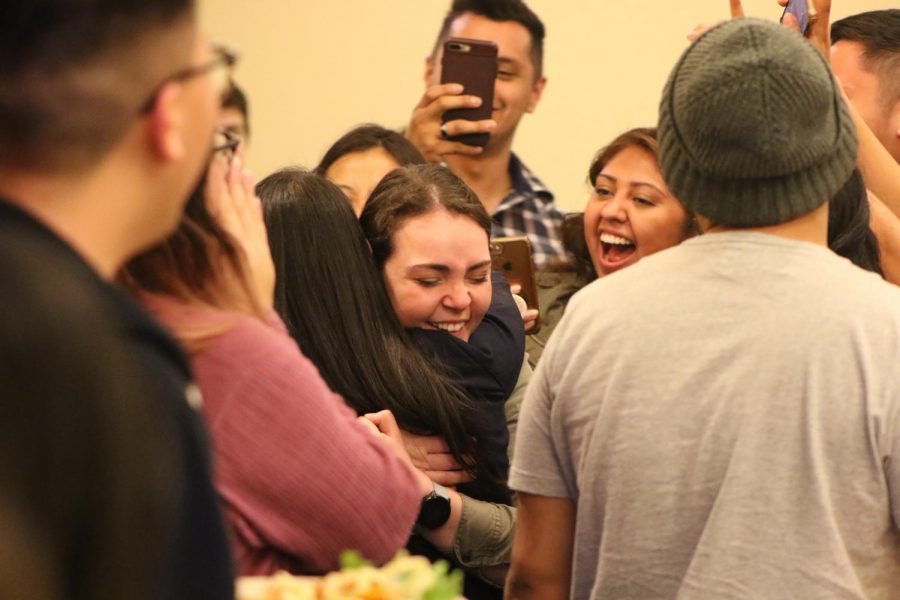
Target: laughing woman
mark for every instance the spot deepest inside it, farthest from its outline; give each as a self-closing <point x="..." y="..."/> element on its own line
<point x="631" y="214"/>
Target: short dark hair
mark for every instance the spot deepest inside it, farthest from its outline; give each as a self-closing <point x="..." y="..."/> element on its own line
<point x="334" y="303"/>
<point x="500" y="10"/>
<point x="878" y="31"/>
<point x="849" y="233"/>
<point x="411" y="191"/>
<point x="236" y="98"/>
<point x="75" y="73"/>
<point x="367" y="136"/>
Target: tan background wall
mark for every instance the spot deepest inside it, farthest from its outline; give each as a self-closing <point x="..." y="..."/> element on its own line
<point x="314" y="69"/>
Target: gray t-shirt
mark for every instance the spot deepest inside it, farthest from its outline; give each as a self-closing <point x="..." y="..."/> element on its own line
<point x="725" y="416"/>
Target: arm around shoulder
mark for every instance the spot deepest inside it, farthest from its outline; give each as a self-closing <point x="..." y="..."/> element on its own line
<point x="296" y="464"/>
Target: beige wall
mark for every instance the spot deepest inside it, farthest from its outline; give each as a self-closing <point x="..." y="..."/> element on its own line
<point x="315" y="69"/>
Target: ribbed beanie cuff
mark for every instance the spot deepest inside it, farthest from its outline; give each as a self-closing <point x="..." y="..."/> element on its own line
<point x="753" y="130"/>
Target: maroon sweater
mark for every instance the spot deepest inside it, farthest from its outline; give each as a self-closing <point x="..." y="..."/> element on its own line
<point x="300" y="480"/>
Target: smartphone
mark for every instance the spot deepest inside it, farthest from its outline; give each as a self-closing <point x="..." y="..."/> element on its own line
<point x="512" y="257"/>
<point x="472" y="63"/>
<point x="800" y="10"/>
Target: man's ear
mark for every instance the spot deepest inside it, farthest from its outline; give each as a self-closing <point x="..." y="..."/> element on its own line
<point x="536" y="92"/>
<point x="166" y="124"/>
<point x="895" y="117"/>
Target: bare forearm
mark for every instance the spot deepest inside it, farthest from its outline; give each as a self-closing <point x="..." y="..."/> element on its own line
<point x="442" y="538"/>
<point x="520" y="587"/>
<point x="542" y="550"/>
<point x="880" y="171"/>
<point x="886" y="227"/>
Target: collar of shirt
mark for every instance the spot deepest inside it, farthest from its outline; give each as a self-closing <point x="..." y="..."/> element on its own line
<point x="525" y="184"/>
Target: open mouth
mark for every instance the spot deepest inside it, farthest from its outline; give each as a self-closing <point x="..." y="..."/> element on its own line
<point x="447" y="326"/>
<point x="616" y="250"/>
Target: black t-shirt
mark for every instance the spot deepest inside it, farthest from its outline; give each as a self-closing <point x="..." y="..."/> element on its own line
<point x="197" y="562"/>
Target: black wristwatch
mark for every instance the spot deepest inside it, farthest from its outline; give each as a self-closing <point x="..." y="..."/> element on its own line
<point x="435" y="509"/>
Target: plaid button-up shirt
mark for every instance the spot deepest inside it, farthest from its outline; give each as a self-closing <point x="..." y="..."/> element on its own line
<point x="528" y="210"/>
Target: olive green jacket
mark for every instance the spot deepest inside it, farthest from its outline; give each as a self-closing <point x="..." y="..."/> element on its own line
<point x="555" y="289"/>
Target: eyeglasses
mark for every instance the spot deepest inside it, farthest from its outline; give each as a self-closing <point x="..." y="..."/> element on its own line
<point x="221" y="66"/>
<point x="225" y="142"/>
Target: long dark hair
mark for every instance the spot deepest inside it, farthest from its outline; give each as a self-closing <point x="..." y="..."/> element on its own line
<point x="412" y="191"/>
<point x="333" y="301"/>
<point x="849" y="234"/>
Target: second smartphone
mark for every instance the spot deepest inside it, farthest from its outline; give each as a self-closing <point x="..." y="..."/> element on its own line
<point x="512" y="257"/>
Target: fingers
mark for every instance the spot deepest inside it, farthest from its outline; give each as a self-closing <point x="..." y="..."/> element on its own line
<point x="820" y="28"/>
<point x="215" y="188"/>
<point x="462" y="126"/>
<point x="442" y="462"/>
<point x="420" y="447"/>
<point x="449" y="147"/>
<point x="235" y="182"/>
<point x="698" y="30"/>
<point x="434" y="104"/>
<point x="790" y="21"/>
<point x="433" y="444"/>
<point x="449" y="478"/>
<point x="436" y="91"/>
<point x="424" y="129"/>
<point x="384" y="420"/>
<point x="515" y="288"/>
<point x="521" y="305"/>
<point x="530" y="318"/>
<point x="737" y="9"/>
<point x="369" y="425"/>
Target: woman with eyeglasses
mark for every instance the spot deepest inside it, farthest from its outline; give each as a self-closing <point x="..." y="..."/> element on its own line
<point x="299" y="477"/>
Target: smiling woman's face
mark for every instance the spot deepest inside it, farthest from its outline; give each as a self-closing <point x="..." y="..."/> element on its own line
<point x="631" y="213"/>
<point x="357" y="174"/>
<point x="439" y="273"/>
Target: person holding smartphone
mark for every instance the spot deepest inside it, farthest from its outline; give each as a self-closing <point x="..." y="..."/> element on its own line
<point x="518" y="202"/>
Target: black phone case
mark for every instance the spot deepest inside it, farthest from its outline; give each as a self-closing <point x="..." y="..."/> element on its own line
<point x="472" y="63"/>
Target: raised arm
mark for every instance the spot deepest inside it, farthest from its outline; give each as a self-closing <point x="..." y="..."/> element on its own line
<point x="880" y="171"/>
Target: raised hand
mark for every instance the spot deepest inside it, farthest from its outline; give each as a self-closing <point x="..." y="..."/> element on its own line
<point x="233" y="203"/>
<point x="819" y="32"/>
<point x="425" y="130"/>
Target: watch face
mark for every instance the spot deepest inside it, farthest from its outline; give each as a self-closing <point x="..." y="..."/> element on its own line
<point x="435" y="511"/>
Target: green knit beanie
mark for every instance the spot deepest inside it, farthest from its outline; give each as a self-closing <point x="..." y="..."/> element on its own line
<point x="753" y="130"/>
